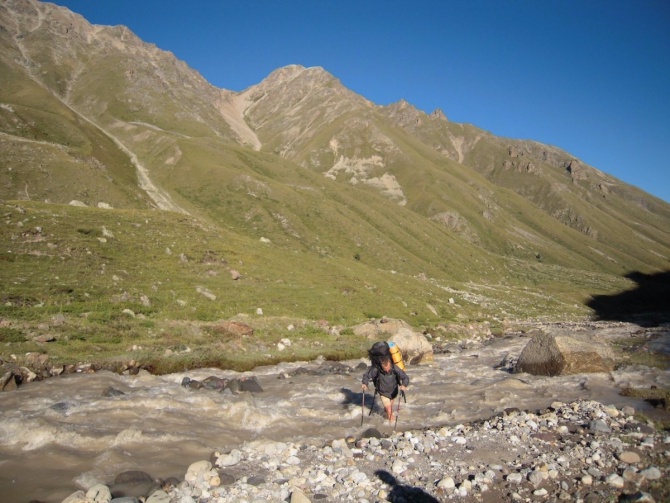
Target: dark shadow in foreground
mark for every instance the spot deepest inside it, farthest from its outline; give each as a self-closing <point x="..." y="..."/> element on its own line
<point x="647" y="304"/>
<point x="407" y="493"/>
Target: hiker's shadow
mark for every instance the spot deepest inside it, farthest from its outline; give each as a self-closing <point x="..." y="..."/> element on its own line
<point x="352" y="397"/>
<point x="400" y="492"/>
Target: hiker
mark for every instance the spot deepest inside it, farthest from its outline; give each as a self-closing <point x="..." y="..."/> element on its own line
<point x="388" y="378"/>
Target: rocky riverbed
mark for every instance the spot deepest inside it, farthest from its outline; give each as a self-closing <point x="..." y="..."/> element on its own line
<point x="470" y="431"/>
<point x="579" y="451"/>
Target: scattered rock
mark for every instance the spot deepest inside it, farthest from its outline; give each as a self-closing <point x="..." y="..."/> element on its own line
<point x="599" y="425"/>
<point x="229" y="459"/>
<point x="204" y="291"/>
<point x="8" y="382"/>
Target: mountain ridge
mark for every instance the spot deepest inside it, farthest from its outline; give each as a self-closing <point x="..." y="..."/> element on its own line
<point x="301" y="160"/>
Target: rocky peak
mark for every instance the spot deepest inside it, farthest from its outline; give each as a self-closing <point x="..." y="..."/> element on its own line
<point x="284" y="73"/>
<point x="438" y="114"/>
<point x="295" y="74"/>
<point x="403" y="113"/>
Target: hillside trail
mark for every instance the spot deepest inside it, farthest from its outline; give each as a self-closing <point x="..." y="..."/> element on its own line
<point x="65" y="434"/>
<point x="161" y="198"/>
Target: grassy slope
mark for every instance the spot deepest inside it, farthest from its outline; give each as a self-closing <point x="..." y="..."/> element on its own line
<point x="92" y="282"/>
<point x="49" y="152"/>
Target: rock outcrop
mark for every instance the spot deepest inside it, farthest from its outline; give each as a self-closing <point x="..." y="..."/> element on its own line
<point x="556" y="354"/>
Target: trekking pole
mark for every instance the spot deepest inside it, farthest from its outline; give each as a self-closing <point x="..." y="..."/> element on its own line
<point x="402" y="393"/>
<point x="363" y="408"/>
<point x="373" y="403"/>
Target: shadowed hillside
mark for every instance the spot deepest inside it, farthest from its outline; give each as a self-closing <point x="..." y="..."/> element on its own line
<point x="650" y="297"/>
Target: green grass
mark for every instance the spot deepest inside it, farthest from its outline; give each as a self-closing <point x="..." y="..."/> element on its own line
<point x="658" y="397"/>
<point x="632" y="351"/>
<point x="54" y="263"/>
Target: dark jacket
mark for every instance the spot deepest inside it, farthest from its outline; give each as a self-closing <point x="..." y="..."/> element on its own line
<point x="386" y="383"/>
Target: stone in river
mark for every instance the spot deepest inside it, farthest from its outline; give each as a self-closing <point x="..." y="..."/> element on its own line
<point x="61" y="407"/>
<point x="250" y="385"/>
<point x="233" y="385"/>
<point x="560" y="354"/>
<point x="110" y="392"/>
<point x="371" y="433"/>
<point x="133" y="477"/>
<point x="214" y="382"/>
<point x="193" y="384"/>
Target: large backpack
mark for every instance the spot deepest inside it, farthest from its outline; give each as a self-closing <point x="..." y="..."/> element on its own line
<point x="378" y="351"/>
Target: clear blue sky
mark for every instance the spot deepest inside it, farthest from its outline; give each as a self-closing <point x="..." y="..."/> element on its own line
<point x="591" y="77"/>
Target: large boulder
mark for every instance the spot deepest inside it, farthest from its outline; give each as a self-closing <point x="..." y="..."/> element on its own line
<point x="413" y="346"/>
<point x="560" y="354"/>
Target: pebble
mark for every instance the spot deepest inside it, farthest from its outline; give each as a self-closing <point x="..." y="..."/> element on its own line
<point x="446" y="483"/>
<point x="629" y="457"/>
<point x="615" y="481"/>
<point x="651" y="473"/>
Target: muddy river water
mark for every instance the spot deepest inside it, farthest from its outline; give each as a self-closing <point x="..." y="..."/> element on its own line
<point x="59" y="435"/>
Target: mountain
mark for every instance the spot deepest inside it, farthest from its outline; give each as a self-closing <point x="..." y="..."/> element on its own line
<point x="94" y="114"/>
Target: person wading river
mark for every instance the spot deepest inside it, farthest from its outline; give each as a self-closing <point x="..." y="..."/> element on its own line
<point x="388" y="378"/>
